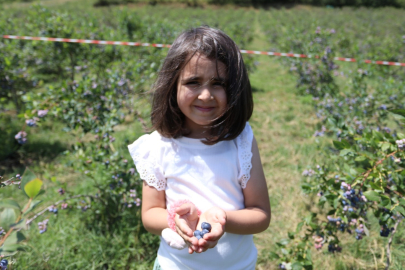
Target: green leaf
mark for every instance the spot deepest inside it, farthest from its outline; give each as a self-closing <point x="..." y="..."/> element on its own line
<point x="7" y="217"/>
<point x="6" y="254"/>
<point x="400" y="135"/>
<point x="19" y="225"/>
<point x="335" y="203"/>
<point x="400" y="112"/>
<point x="401" y="201"/>
<point x="385" y="201"/>
<point x="296" y="266"/>
<point x="366" y="231"/>
<point x="273" y="255"/>
<point x="14" y="238"/>
<point x="375" y="186"/>
<point x="372" y="195"/>
<point x="8" y="203"/>
<point x="360" y="158"/>
<point x="12" y="248"/>
<point x="33" y="187"/>
<point x="338" y="145"/>
<point x="284" y="241"/>
<point x="401" y="210"/>
<point x="299" y="227"/>
<point x="28" y="176"/>
<point x="7" y="61"/>
<point x="385" y="146"/>
<point x="306" y="188"/>
<point x="32" y="206"/>
<point x="346" y="152"/>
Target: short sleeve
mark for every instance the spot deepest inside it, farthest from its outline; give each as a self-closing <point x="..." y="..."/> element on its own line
<point x="145" y="153"/>
<point x="244" y="145"/>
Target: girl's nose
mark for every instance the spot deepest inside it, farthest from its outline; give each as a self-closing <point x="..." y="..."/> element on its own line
<point x="205" y="93"/>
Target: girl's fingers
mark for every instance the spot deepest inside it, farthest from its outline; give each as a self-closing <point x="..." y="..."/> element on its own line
<point x="183" y="209"/>
<point x="204" y="245"/>
<point x="189" y="210"/>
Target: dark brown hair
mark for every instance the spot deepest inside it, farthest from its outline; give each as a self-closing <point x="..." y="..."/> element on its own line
<point x="166" y="115"/>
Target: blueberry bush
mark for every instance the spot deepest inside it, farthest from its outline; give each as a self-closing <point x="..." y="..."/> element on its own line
<point x="362" y="112"/>
<point x="90" y="92"/>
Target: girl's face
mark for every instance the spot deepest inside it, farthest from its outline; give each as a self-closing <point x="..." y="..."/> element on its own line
<point x="201" y="93"/>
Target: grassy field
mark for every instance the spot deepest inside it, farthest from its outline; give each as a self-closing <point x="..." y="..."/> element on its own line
<point x="283" y="123"/>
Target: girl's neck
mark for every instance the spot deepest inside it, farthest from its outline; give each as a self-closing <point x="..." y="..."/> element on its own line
<point x="195" y="131"/>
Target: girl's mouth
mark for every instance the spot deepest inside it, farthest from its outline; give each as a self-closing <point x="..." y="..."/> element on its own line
<point x="204" y="109"/>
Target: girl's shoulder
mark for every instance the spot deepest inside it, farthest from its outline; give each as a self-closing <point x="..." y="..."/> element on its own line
<point x="147" y="152"/>
<point x="245" y="137"/>
<point x="148" y="142"/>
<point x="244" y="145"/>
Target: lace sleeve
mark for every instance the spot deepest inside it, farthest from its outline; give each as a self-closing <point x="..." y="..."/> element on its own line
<point x="145" y="159"/>
<point x="244" y="144"/>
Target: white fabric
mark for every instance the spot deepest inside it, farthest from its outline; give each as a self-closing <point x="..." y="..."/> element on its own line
<point x="173" y="239"/>
<point x="208" y="175"/>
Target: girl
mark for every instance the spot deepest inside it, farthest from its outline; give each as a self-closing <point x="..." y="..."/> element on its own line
<point x="202" y="163"/>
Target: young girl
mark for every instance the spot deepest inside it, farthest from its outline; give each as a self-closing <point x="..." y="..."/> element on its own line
<point x="202" y="163"/>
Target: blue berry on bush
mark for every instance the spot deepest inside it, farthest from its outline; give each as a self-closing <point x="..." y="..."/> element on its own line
<point x="30" y="122"/>
<point x="385" y="231"/>
<point x="4" y="264"/>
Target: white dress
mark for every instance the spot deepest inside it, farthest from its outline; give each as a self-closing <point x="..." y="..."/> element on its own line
<point x="207" y="175"/>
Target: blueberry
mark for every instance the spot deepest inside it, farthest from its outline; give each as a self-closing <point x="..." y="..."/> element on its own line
<point x="281" y="266"/>
<point x="4" y="263"/>
<point x="197" y="234"/>
<point x="344" y="202"/>
<point x="204" y="231"/>
<point x="206" y="225"/>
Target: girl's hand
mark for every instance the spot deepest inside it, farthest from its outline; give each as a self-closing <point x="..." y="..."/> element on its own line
<point x="186" y="220"/>
<point x="217" y="218"/>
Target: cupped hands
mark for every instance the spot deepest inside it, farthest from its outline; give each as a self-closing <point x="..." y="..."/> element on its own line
<point x="187" y="221"/>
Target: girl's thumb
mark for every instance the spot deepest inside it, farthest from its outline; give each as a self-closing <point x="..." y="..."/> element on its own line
<point x="183" y="209"/>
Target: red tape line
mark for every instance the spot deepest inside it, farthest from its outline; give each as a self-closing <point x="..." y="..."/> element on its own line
<point x="105" y="42"/>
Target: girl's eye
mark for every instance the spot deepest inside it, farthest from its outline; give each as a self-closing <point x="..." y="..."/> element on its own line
<point x="192" y="83"/>
<point x="219" y="84"/>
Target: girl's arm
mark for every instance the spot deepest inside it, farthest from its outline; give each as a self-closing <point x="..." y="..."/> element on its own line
<point x="256" y="216"/>
<point x="154" y="213"/>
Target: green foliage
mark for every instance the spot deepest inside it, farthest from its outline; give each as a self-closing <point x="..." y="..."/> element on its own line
<point x="11" y="216"/>
<point x="362" y="171"/>
<point x="91" y="90"/>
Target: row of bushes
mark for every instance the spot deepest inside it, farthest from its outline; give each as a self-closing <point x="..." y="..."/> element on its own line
<point x="332" y="3"/>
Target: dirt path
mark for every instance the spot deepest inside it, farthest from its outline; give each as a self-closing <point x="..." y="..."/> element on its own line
<point x="283" y="126"/>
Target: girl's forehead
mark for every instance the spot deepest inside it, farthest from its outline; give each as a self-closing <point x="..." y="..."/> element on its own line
<point x="200" y="64"/>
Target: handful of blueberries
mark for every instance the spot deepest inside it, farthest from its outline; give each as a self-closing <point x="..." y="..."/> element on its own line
<point x="206" y="228"/>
